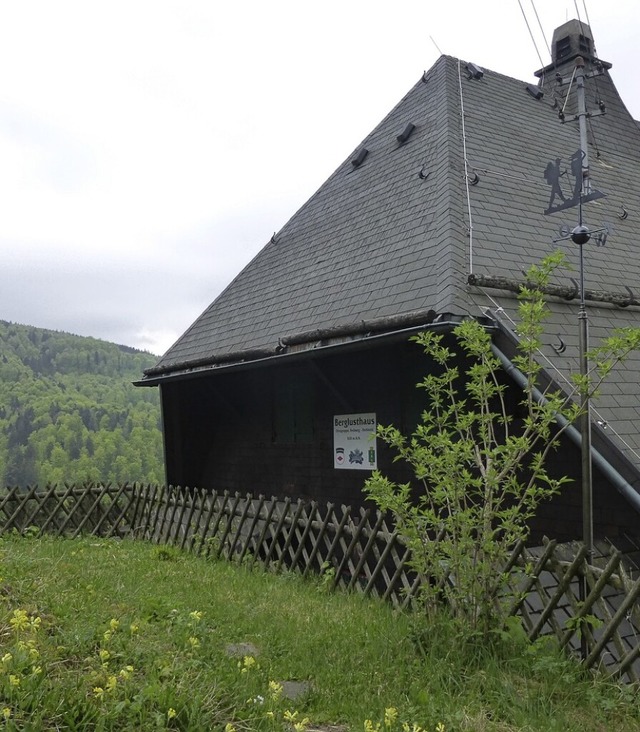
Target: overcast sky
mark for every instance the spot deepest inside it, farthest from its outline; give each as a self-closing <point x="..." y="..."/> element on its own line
<point x="149" y="149"/>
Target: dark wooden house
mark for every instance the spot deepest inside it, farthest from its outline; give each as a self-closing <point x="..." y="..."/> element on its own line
<point x="433" y="218"/>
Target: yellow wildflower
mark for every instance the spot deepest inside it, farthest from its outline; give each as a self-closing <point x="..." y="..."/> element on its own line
<point x="114" y="625"/>
<point x="247" y="663"/>
<point x="36" y="670"/>
<point x="302" y="725"/>
<point x="6" y="713"/>
<point x="133" y="628"/>
<point x="111" y="684"/>
<point x="194" y="642"/>
<point x="171" y="713"/>
<point x="196" y="615"/>
<point x="275" y="690"/>
<point x="34" y="654"/>
<point x="370" y="727"/>
<point x="98" y="692"/>
<point x="20" y="620"/>
<point x="6" y="659"/>
<point x="229" y="727"/>
<point x="440" y="727"/>
<point x="390" y="716"/>
<point x="290" y="716"/>
<point x="104" y="655"/>
<point x="14" y="680"/>
<point x="125" y="673"/>
<point x="35" y="622"/>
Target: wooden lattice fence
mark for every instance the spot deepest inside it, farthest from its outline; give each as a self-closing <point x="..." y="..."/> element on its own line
<point x="355" y="549"/>
<point x="603" y="625"/>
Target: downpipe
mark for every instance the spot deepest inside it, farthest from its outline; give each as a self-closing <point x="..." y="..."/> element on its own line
<point x="620" y="484"/>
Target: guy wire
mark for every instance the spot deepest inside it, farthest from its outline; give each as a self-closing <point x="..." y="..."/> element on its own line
<point x="535" y="45"/>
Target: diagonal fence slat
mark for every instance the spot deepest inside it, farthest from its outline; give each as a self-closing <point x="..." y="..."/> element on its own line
<point x="275" y="531"/>
<point x="218" y="510"/>
<point x="239" y="534"/>
<point x="199" y="508"/>
<point x="259" y="543"/>
<point x="149" y="504"/>
<point x="302" y="536"/>
<point x="361" y="572"/>
<point x="39" y="507"/>
<point x="289" y="532"/>
<point x="613" y="624"/>
<point x="225" y="518"/>
<point x="379" y="576"/>
<point x="556" y="597"/>
<point x="14" y="518"/>
<point x="361" y="549"/>
<point x="58" y="511"/>
<point x="248" y="545"/>
<point x="596" y="606"/>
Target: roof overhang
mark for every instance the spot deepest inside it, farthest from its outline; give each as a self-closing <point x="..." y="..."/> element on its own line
<point x="619" y="470"/>
<point x="311" y="344"/>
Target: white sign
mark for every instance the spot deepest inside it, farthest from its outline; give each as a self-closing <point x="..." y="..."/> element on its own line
<point x="354" y="441"/>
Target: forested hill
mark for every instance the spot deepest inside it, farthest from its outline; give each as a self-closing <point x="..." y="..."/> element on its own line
<point x="69" y="412"/>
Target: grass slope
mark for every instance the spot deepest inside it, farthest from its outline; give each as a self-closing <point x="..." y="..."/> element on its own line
<point x="118" y="635"/>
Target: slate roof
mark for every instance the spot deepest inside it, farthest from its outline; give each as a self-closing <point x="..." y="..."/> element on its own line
<point x="402" y="231"/>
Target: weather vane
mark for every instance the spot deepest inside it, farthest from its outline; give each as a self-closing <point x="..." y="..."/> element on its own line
<point x="581" y="193"/>
<point x="553" y="174"/>
<point x="581" y="190"/>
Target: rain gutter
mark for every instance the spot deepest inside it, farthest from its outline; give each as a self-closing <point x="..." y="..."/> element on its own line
<point x="251" y="359"/>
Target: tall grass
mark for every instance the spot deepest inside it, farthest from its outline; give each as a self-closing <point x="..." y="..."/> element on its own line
<point x="118" y="635"/>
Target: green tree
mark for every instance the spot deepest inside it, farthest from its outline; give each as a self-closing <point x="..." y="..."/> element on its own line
<point x="481" y="470"/>
<point x="66" y="402"/>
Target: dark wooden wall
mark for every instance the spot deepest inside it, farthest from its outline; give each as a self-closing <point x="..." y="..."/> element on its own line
<point x="269" y="431"/>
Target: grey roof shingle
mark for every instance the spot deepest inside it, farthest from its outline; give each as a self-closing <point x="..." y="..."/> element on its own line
<point x="398" y="233"/>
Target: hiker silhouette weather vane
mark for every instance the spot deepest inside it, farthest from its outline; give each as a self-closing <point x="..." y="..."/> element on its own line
<point x="554" y="172"/>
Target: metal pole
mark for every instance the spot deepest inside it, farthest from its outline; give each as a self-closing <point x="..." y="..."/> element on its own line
<point x="582" y="126"/>
<point x="583" y="344"/>
<point x="585" y="421"/>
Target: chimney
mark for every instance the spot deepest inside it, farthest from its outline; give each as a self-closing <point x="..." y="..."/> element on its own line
<point x="571" y="40"/>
